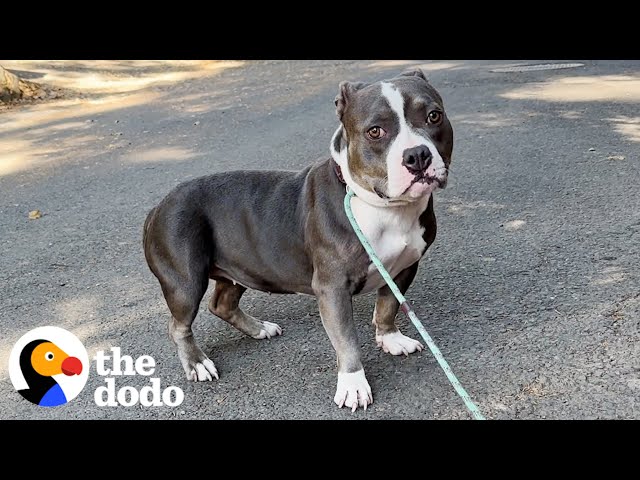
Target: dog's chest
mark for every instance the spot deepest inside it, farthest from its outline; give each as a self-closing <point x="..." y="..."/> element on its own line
<point x="394" y="233"/>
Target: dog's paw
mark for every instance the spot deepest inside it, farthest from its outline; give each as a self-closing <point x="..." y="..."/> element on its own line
<point x="203" y="371"/>
<point x="268" y="330"/>
<point x="353" y="390"/>
<point x="396" y="343"/>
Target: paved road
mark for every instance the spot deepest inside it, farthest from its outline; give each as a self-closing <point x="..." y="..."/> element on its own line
<point x="531" y="289"/>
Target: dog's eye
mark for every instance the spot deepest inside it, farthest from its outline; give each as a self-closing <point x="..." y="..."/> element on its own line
<point x="434" y="117"/>
<point x="376" y="133"/>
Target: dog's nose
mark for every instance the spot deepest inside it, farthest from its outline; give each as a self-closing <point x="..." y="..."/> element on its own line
<point x="417" y="159"/>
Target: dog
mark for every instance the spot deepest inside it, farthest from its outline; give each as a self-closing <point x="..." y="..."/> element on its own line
<point x="287" y="232"/>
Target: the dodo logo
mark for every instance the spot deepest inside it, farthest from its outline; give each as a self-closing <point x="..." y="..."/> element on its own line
<point x="49" y="366"/>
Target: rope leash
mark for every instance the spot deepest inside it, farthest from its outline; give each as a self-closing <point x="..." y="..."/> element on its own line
<point x="408" y="310"/>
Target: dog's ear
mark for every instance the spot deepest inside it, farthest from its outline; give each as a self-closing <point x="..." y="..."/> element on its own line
<point x="415" y="73"/>
<point x="420" y="74"/>
<point x="345" y="92"/>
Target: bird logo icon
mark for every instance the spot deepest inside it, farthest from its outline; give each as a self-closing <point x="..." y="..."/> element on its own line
<point x="48" y="366"/>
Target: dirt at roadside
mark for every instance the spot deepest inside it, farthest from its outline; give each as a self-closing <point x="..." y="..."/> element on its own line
<point x="36" y="93"/>
<point x="33" y="92"/>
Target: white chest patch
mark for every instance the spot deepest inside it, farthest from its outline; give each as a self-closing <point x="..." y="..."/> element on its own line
<point x="394" y="233"/>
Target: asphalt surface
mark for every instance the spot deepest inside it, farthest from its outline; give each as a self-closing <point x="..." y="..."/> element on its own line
<point x="531" y="289"/>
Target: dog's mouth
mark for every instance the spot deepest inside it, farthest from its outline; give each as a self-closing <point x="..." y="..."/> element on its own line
<point x="425" y="181"/>
<point x="429" y="179"/>
<point x="380" y="193"/>
<point x="421" y="184"/>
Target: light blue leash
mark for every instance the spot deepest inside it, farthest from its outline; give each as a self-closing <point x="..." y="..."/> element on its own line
<point x="406" y="308"/>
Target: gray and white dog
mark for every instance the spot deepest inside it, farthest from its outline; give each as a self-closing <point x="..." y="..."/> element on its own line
<point x="287" y="232"/>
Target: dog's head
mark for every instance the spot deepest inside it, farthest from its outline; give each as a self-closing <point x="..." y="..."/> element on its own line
<point x="395" y="141"/>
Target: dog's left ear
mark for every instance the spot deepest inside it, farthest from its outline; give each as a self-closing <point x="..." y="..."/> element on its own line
<point x="345" y="92"/>
<point x="415" y="73"/>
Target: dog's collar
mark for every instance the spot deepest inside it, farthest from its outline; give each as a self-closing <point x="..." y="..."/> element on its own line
<point x="338" y="170"/>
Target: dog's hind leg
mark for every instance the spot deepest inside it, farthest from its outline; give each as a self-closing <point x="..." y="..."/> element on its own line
<point x="224" y="304"/>
<point x="182" y="268"/>
<point x="183" y="298"/>
<point x="384" y="317"/>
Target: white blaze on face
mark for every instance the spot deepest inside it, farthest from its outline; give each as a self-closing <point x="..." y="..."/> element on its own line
<point x="399" y="177"/>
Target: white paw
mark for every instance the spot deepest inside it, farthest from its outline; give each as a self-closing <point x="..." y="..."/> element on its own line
<point x="353" y="390"/>
<point x="269" y="330"/>
<point x="203" y="371"/>
<point x="397" y="344"/>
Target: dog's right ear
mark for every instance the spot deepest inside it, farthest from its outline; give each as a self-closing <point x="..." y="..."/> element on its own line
<point x="345" y="92"/>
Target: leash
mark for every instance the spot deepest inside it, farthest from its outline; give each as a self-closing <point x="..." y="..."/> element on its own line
<point x="408" y="310"/>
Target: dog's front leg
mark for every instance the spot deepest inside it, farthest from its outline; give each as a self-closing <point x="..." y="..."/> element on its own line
<point x="336" y="312"/>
